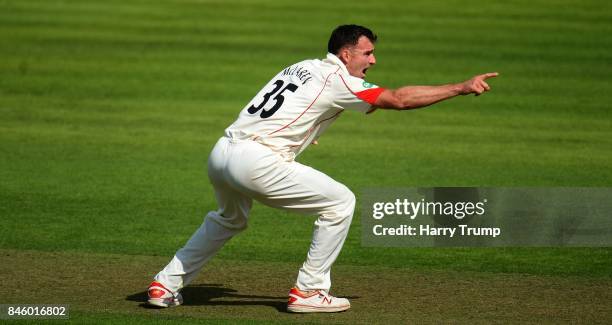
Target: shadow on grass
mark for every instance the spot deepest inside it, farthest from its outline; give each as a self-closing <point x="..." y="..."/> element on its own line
<point x="217" y="295"/>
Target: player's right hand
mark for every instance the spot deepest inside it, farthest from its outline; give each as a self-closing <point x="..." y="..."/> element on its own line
<point x="477" y="84"/>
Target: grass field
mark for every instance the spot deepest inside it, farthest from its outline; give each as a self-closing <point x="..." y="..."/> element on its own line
<point x="109" y="109"/>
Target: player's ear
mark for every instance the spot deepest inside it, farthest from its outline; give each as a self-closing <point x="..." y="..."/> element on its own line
<point x="344" y="54"/>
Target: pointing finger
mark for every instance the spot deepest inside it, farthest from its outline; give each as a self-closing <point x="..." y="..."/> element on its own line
<point x="490" y="75"/>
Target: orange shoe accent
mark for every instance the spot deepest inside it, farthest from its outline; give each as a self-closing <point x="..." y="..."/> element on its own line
<point x="156" y="293"/>
<point x="302" y="294"/>
<point x="158" y="284"/>
<point x="291" y="300"/>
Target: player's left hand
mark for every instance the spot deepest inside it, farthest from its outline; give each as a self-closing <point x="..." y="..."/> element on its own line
<point x="477" y="84"/>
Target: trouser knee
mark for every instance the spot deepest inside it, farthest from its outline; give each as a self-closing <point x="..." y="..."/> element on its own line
<point x="236" y="223"/>
<point x="349" y="202"/>
<point x="346" y="206"/>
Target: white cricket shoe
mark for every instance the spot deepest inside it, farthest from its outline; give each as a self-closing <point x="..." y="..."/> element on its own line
<point x="160" y="296"/>
<point x="316" y="301"/>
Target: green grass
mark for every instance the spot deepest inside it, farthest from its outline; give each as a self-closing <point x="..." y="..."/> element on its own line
<point x="109" y="109"/>
<point x="110" y="288"/>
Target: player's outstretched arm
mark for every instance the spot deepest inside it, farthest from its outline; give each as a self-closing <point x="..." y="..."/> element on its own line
<point x="410" y="97"/>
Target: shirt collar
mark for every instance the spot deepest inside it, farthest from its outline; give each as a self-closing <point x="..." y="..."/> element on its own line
<point x="333" y="59"/>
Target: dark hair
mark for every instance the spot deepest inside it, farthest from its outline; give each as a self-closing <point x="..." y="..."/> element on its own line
<point x="348" y="35"/>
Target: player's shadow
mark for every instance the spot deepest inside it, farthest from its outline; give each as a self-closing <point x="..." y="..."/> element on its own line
<point x="217" y="295"/>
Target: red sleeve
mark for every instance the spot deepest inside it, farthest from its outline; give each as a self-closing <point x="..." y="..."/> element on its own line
<point x="370" y="95"/>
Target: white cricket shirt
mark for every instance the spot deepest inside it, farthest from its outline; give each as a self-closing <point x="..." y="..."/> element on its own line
<point x="299" y="103"/>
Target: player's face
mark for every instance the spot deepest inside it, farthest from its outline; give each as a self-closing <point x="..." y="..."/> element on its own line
<point x="360" y="57"/>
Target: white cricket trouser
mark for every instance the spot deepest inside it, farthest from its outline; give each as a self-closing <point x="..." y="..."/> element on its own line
<point x="242" y="170"/>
